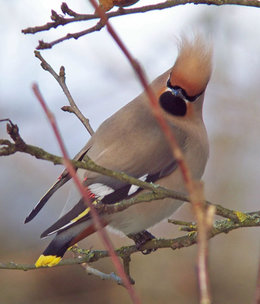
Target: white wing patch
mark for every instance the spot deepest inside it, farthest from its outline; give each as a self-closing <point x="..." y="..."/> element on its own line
<point x="54" y="231"/>
<point x="100" y="190"/>
<point x="134" y="188"/>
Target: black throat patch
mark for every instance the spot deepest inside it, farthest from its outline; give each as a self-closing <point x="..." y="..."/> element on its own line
<point x="173" y="104"/>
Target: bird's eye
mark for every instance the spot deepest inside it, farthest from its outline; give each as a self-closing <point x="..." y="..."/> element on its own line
<point x="173" y="104"/>
<point x="183" y="92"/>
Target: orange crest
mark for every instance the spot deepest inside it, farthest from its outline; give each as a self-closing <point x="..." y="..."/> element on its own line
<point x="192" y="69"/>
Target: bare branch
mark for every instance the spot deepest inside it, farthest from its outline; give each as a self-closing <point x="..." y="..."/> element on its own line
<point x="157" y="192"/>
<point x="62" y="82"/>
<point x="103" y="276"/>
<point x="84" y="193"/>
<point x="59" y="20"/>
<point x="184" y="226"/>
<point x="76" y="17"/>
<point x="13" y="131"/>
<point x="204" y="212"/>
<point x="204" y="215"/>
<point x="90" y="256"/>
<point x="48" y="45"/>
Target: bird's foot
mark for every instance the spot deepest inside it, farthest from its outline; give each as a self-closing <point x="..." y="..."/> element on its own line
<point x="140" y="239"/>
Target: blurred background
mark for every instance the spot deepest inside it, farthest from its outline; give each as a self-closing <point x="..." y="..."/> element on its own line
<point x="101" y="81"/>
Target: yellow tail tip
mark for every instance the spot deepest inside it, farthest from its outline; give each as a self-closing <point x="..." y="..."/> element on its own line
<point x="47" y="260"/>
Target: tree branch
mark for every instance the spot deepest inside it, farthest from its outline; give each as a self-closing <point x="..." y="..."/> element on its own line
<point x="59" y="20"/>
<point x="90" y="256"/>
<point x="204" y="212"/>
<point x="157" y="192"/>
<point x="48" y="45"/>
<point x="73" y="108"/>
<point x="84" y="193"/>
<point x="76" y="17"/>
<point x="103" y="276"/>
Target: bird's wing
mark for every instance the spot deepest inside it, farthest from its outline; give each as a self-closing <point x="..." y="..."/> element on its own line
<point x="123" y="143"/>
<point x="116" y="123"/>
<point x="106" y="192"/>
<point x="63" y="179"/>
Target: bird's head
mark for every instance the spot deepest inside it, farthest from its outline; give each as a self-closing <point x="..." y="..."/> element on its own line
<point x="188" y="78"/>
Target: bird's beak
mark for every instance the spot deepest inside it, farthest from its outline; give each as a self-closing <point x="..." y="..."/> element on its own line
<point x="178" y="93"/>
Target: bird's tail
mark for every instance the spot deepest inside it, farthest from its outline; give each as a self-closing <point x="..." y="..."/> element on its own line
<point x="62" y="241"/>
<point x="54" y="252"/>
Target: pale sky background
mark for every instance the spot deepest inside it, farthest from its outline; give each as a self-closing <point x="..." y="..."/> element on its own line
<point x="102" y="81"/>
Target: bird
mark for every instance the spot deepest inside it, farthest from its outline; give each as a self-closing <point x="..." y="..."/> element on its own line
<point x="131" y="141"/>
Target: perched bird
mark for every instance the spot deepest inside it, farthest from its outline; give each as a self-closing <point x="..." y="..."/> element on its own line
<point x="132" y="141"/>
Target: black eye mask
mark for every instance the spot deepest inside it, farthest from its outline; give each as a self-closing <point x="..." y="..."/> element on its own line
<point x="183" y="92"/>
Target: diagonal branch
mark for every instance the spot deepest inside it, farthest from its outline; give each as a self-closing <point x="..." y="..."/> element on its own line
<point x="73" y="108"/>
<point x="84" y="193"/>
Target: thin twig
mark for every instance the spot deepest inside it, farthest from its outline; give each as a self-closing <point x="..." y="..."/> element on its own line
<point x="62" y="82"/>
<point x="84" y="193"/>
<point x="103" y="276"/>
<point x="13" y="131"/>
<point x="90" y="270"/>
<point x="76" y="17"/>
<point x="182" y="223"/>
<point x="48" y="45"/>
<point x="184" y="226"/>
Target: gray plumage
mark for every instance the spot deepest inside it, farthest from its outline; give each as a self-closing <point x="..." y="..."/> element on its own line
<point x="132" y="141"/>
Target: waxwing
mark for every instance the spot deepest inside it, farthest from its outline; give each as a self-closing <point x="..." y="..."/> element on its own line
<point x="131" y="141"/>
